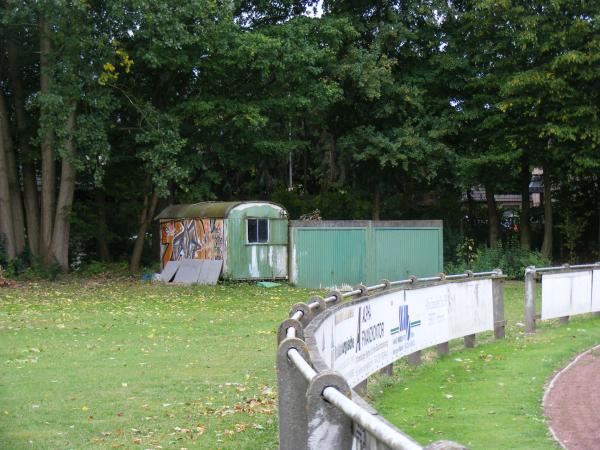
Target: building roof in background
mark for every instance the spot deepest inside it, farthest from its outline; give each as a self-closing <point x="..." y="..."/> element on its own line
<point x="478" y="195"/>
<point x="213" y="210"/>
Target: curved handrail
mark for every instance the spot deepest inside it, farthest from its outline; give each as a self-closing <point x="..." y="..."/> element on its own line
<point x="300" y="361"/>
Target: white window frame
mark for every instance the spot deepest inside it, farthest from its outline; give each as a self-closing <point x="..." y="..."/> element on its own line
<point x="257" y="242"/>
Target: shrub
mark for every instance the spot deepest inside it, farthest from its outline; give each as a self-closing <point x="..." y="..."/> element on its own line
<point x="511" y="258"/>
<point x="104" y="269"/>
<point x="36" y="271"/>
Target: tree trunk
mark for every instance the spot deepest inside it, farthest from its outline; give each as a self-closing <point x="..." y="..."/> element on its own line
<point x="598" y="206"/>
<point x="15" y="196"/>
<point x="548" y="220"/>
<point x="101" y="226"/>
<point x="145" y="220"/>
<point x="597" y="184"/>
<point x="492" y="213"/>
<point x="376" y="203"/>
<point x="14" y="188"/>
<point x="471" y="208"/>
<point x="30" y="195"/>
<point x="62" y="224"/>
<point x="525" y="206"/>
<point x="6" y="210"/>
<point x="48" y="165"/>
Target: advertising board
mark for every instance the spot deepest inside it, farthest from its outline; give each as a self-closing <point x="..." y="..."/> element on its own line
<point x="567" y="294"/>
<point x="362" y="337"/>
<point x="596" y="290"/>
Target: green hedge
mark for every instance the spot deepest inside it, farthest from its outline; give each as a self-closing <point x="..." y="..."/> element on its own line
<point x="510" y="258"/>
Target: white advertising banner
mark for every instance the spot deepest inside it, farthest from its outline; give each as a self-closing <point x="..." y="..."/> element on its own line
<point x="470" y="308"/>
<point x="361" y="338"/>
<point x="596" y="290"/>
<point x="566" y="294"/>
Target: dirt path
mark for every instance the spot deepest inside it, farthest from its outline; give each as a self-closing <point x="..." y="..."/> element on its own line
<point x="572" y="403"/>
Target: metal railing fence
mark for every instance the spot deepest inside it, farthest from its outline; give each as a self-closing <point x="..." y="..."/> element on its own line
<point x="533" y="273"/>
<point x="317" y="407"/>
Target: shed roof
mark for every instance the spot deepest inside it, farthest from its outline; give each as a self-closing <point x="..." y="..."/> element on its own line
<point x="203" y="209"/>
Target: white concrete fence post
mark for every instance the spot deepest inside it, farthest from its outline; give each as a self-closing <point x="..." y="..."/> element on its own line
<point x="498" y="296"/>
<point x="292" y="387"/>
<point x="530" y="299"/>
<point x="444" y="347"/>
<point x="328" y="427"/>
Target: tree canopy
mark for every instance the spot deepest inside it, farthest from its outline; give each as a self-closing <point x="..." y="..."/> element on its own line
<point x="111" y="110"/>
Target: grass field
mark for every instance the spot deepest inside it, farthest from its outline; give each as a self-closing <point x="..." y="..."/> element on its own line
<point x="124" y="364"/>
<point x="488" y="397"/>
<point x="121" y="364"/>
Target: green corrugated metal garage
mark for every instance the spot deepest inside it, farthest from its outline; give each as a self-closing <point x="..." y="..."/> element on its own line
<point x="337" y="253"/>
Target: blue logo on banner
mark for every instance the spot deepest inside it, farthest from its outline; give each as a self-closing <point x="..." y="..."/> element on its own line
<point x="404" y="320"/>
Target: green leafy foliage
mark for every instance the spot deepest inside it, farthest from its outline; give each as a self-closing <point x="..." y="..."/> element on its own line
<point x="511" y="258"/>
<point x="388" y="110"/>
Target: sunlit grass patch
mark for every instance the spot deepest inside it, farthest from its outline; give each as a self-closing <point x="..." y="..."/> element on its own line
<point x="120" y="364"/>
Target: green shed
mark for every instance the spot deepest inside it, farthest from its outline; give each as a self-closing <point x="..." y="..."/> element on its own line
<point x="338" y="253"/>
<point x="250" y="237"/>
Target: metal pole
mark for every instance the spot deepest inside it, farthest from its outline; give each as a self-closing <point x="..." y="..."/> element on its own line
<point x="530" y="299"/>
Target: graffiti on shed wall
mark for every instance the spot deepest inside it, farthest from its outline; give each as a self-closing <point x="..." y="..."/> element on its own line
<point x="192" y="239"/>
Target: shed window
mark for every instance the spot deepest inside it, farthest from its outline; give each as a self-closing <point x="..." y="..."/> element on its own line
<point x="258" y="231"/>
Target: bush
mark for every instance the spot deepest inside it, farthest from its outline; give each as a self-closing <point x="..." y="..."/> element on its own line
<point x="39" y="271"/>
<point x="509" y="257"/>
<point x="104" y="269"/>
